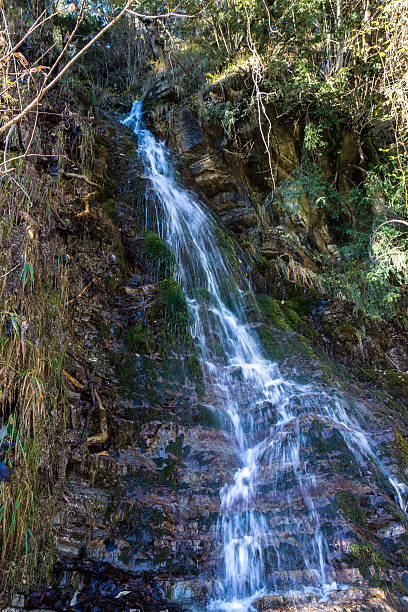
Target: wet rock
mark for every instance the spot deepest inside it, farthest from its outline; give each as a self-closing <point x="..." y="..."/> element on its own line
<point x="346" y="600"/>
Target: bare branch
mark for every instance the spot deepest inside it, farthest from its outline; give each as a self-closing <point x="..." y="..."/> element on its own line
<point x="61" y="73"/>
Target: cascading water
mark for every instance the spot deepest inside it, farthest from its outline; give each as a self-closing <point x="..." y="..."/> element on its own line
<point x="266" y="415"/>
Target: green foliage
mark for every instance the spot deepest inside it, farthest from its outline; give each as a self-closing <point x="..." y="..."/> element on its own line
<point x="307" y="180"/>
<point x="313" y="137"/>
<point x="227" y="113"/>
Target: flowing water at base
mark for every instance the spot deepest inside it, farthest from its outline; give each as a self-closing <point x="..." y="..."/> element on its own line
<point x="268" y="523"/>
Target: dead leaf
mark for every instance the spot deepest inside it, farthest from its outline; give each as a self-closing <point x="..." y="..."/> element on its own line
<point x="21" y="57"/>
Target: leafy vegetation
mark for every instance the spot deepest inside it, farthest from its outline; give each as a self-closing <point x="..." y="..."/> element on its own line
<point x="335" y="70"/>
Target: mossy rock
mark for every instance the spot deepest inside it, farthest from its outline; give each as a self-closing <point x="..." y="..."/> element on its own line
<point x="202" y="295"/>
<point x="364" y="556"/>
<point x="299" y="303"/>
<point x="226" y="245"/>
<point x="271" y="344"/>
<point x="347" y="331"/>
<point x="367" y="375"/>
<point x="402" y="448"/>
<point x="109" y="207"/>
<point x="176" y="313"/>
<point x="107" y="192"/>
<point x="195" y="373"/>
<point x="262" y="262"/>
<point x="272" y="312"/>
<point x="139" y="339"/>
<point x="396" y="379"/>
<point x="293" y="317"/>
<point x="159" y="254"/>
<point x="348" y="503"/>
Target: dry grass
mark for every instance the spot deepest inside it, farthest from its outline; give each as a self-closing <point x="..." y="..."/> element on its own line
<point x="34" y="318"/>
<point x="294" y="272"/>
<point x="33" y="291"/>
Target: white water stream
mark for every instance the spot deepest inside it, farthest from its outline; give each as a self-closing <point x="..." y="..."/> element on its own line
<point x="268" y="507"/>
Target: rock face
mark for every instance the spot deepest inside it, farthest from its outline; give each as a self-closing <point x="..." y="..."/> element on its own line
<point x="212" y="171"/>
<point x="229" y="176"/>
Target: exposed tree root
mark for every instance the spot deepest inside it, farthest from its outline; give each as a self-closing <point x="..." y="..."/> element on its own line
<point x="88" y="196"/>
<point x="73" y="381"/>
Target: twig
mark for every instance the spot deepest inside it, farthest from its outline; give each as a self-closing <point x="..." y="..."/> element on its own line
<point x="17" y="266"/>
<point x="95" y="280"/>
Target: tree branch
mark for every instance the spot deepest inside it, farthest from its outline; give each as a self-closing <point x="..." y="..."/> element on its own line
<point x="61" y="73"/>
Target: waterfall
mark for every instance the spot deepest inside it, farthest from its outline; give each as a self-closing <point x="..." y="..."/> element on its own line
<point x="265" y="415"/>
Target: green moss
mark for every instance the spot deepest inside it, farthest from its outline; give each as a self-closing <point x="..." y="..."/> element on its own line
<point x="125" y="370"/>
<point x="207" y="418"/>
<point x="159" y="254"/>
<point x="107" y="192"/>
<point x="201" y="294"/>
<point x="272" y="312"/>
<point x="262" y="263"/>
<point x="347" y="502"/>
<point x="104" y="330"/>
<point x="161" y="555"/>
<point x="128" y="143"/>
<point x="177" y="315"/>
<point x="139" y="340"/>
<point x="396" y="379"/>
<point x="364" y="556"/>
<point x="293" y="317"/>
<point x="305" y="346"/>
<point x="216" y="348"/>
<point x="195" y="372"/>
<point x="368" y="375"/>
<point x="100" y="140"/>
<point x="112" y="284"/>
<point x="272" y="346"/>
<point x="402" y="448"/>
<point x="300" y="303"/>
<point x="226" y="244"/>
<point x="108" y="206"/>
<point x="328" y="330"/>
<point x="321" y="444"/>
<point x="347" y="330"/>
